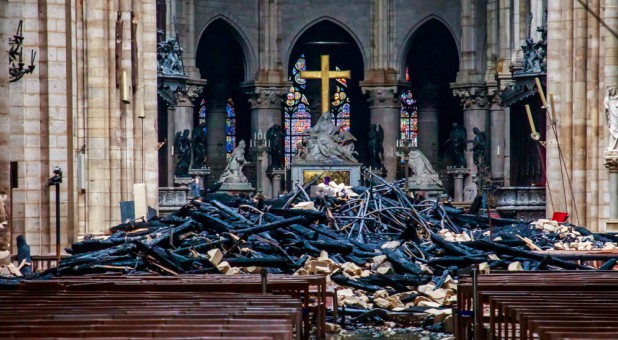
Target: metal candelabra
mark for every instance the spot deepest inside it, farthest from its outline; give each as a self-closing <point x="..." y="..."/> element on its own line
<point x="258" y="146"/>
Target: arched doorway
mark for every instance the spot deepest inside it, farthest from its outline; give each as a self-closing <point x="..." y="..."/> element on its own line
<point x="431" y="64"/>
<point x="328" y="38"/>
<point x="221" y="61"/>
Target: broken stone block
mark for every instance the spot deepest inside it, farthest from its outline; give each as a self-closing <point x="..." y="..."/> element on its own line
<point x="395" y="302"/>
<point x="484" y="268"/>
<point x="382" y="303"/>
<point x="382" y="294"/>
<point x="350" y="269"/>
<point x="391" y="245"/>
<point x="515" y="266"/>
<point x="215" y="256"/>
<point x="223" y="267"/>
<point x="428" y="304"/>
<point x="425" y="289"/>
<point x="385" y="268"/>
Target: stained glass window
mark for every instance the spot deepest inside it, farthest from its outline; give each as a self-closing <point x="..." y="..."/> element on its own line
<point x="202" y="112"/>
<point x="409" y="118"/>
<point x="340" y="113"/>
<point x="230" y="128"/>
<point x="297" y="118"/>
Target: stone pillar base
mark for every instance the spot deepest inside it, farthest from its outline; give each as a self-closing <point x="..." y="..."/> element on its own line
<point x="276" y="175"/>
<point x="458" y="174"/>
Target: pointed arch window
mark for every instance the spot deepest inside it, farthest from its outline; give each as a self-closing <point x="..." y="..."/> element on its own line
<point x="230" y="128"/>
<point x="201" y="115"/>
<point x="408" y="122"/>
<point x="297" y="118"/>
<point x="340" y="112"/>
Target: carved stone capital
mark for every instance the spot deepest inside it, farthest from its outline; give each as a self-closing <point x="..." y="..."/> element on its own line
<point x="266" y="97"/>
<point x="493" y="93"/>
<point x="186" y="95"/>
<point x="472" y="97"/>
<point x="386" y="96"/>
<point x="611" y="160"/>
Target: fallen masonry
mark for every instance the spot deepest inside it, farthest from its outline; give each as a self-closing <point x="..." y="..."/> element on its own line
<point x="390" y="258"/>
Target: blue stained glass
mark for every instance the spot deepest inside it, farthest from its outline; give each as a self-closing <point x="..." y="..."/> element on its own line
<point x="297" y="118"/>
<point x="230" y="128"/>
<point x="409" y="117"/>
<point x="230" y="143"/>
<point x="230" y="111"/>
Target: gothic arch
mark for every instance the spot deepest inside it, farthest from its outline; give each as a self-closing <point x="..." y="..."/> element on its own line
<point x="240" y="36"/>
<point x="408" y="38"/>
<point x="294" y="41"/>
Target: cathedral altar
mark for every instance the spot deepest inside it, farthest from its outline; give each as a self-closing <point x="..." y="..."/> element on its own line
<point x="329" y="150"/>
<point x="346" y="173"/>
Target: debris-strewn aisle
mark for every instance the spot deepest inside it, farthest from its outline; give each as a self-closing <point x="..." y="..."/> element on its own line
<point x="393" y="259"/>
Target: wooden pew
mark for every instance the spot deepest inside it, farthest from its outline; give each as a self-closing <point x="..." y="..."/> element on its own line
<point x="139" y="307"/>
<point x="526" y="305"/>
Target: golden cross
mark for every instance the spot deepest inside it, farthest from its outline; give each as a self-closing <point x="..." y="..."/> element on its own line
<point x="325" y="75"/>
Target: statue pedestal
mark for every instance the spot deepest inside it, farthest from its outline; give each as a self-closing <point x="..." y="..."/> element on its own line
<point x="236" y="188"/>
<point x="172" y="199"/>
<point x="182" y="181"/>
<point x="458" y="174"/>
<point x="431" y="190"/>
<point x="524" y="203"/>
<point x="346" y="173"/>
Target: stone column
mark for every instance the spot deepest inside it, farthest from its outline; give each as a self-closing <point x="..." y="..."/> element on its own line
<point x="384" y="108"/>
<point x="266" y="106"/>
<point x="187" y="30"/>
<point x="215" y="122"/>
<point x="5" y="130"/>
<point x="428" y="121"/>
<point x="497" y="137"/>
<point x="184" y="111"/>
<point x="276" y="176"/>
<point x="610" y="72"/>
<point x="476" y="112"/>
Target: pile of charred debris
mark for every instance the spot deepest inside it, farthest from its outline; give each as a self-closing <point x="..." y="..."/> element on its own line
<point x="392" y="259"/>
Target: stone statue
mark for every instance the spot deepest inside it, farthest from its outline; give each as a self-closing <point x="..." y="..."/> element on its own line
<point x="376" y="149"/>
<point x="182" y="149"/>
<point x="199" y="146"/>
<point x="611" y="110"/>
<point x="276" y="138"/>
<point x="4" y="216"/>
<point x="424" y="174"/>
<point x="478" y="147"/>
<point x="233" y="170"/>
<point x="457" y="146"/>
<point x="329" y="143"/>
<point x="169" y="58"/>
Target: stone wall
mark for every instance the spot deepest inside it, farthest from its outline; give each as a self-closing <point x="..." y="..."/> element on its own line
<point x="582" y="61"/>
<point x="296" y="17"/>
<point x="71" y="105"/>
<point x="5" y="123"/>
